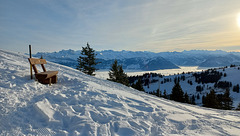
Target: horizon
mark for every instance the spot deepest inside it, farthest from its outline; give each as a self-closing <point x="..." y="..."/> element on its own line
<point x="143" y="51"/>
<point x="138" y="25"/>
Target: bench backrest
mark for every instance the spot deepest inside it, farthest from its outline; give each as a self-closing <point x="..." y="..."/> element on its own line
<point x="34" y="61"/>
<point x="37" y="61"/>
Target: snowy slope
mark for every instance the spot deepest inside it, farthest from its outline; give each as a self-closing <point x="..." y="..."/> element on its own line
<point x="233" y="74"/>
<point x="82" y="105"/>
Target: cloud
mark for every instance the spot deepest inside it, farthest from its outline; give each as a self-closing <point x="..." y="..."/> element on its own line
<point x="156" y="25"/>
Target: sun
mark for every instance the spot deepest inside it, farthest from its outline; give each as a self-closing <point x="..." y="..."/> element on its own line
<point x="238" y="20"/>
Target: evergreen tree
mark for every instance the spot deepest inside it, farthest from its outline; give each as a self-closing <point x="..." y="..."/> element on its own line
<point x="227" y="100"/>
<point x="203" y="99"/>
<point x="123" y="78"/>
<point x="193" y="100"/>
<point x="138" y="85"/>
<point x="186" y="98"/>
<point x="177" y="93"/>
<point x="116" y="74"/>
<point x="238" y="107"/>
<point x="87" y="60"/>
<point x="198" y="96"/>
<point x="165" y="94"/>
<point x="236" y="88"/>
<point x="158" y="93"/>
<point x="211" y="100"/>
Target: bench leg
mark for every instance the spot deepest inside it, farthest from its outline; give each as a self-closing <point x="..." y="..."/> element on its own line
<point x="54" y="79"/>
<point x="50" y="81"/>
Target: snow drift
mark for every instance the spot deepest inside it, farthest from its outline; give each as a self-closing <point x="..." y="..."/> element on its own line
<point x="82" y="105"/>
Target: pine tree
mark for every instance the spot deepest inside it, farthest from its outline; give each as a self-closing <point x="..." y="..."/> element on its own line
<point x="198" y="96"/>
<point x="113" y="74"/>
<point x="227" y="100"/>
<point x="186" y="98"/>
<point x="123" y="78"/>
<point x="165" y="94"/>
<point x="236" y="88"/>
<point x="211" y="100"/>
<point x="158" y="93"/>
<point x="138" y="85"/>
<point x="116" y="74"/>
<point x="87" y="60"/>
<point x="177" y="93"/>
<point x="193" y="100"/>
<point x="203" y="99"/>
<point x="238" y="107"/>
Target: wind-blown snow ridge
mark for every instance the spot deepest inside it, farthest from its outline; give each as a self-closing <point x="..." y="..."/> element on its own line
<point x="82" y="105"/>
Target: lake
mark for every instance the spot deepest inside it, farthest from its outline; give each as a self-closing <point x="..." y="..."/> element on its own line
<point x="104" y="73"/>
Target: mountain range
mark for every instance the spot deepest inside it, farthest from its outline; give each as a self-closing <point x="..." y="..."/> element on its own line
<point x="144" y="60"/>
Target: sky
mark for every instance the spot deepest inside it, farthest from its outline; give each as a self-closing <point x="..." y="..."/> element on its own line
<point x="135" y="25"/>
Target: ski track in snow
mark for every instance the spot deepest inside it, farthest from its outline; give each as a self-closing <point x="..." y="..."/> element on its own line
<point x="83" y="105"/>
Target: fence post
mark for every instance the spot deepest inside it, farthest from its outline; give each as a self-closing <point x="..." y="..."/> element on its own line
<point x="30" y="56"/>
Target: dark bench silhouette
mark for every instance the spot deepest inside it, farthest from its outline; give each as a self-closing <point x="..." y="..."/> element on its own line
<point x="45" y="77"/>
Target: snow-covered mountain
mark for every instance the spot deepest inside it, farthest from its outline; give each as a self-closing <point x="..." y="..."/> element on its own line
<point x="223" y="60"/>
<point x="105" y="54"/>
<point x="110" y="54"/>
<point x="144" y="64"/>
<point x="83" y="105"/>
<point x="166" y="60"/>
<point x="202" y="58"/>
<point x="128" y="59"/>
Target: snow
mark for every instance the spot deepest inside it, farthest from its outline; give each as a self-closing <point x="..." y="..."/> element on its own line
<point x="83" y="105"/>
<point x="46" y="109"/>
<point x="233" y="74"/>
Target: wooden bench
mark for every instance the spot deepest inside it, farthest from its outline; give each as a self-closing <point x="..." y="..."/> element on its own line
<point x="45" y="77"/>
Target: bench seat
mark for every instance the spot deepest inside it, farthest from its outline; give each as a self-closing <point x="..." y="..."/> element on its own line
<point x="45" y="75"/>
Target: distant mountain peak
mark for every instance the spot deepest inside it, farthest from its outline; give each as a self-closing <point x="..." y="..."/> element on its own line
<point x="184" y="58"/>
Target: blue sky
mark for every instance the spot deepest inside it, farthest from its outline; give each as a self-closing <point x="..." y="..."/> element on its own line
<point x="136" y="25"/>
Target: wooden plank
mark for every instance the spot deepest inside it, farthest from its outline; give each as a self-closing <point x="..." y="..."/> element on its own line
<point x="54" y="79"/>
<point x="44" y="69"/>
<point x="34" y="61"/>
<point x="49" y="81"/>
<point x="44" y="81"/>
<point x="45" y="75"/>
<point x="35" y="69"/>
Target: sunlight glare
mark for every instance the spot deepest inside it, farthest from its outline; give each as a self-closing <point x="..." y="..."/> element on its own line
<point x="238" y="20"/>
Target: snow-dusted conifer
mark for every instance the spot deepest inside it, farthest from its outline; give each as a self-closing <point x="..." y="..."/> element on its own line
<point x="87" y="60"/>
<point x="227" y="100"/>
<point x="117" y="74"/>
<point x="177" y="93"/>
<point x="138" y="85"/>
<point x="211" y="100"/>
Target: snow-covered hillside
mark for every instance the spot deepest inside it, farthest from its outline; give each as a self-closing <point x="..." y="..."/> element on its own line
<point x="82" y="105"/>
<point x="167" y="82"/>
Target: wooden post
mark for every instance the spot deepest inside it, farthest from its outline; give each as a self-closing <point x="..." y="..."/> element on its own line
<point x="30" y="56"/>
